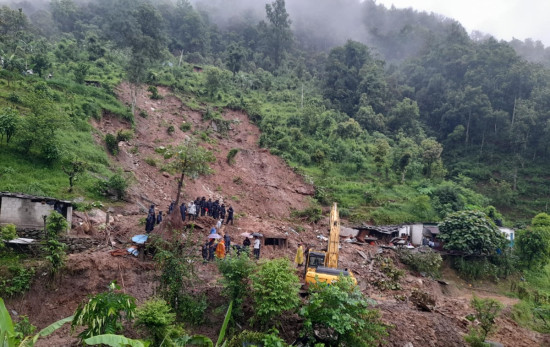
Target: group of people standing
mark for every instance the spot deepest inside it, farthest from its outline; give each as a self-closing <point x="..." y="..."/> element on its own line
<point x="219" y="248"/>
<point x="216" y="247"/>
<point x="203" y="207"/>
<point x="151" y="220"/>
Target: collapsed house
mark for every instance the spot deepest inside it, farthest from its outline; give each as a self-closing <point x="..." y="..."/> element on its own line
<point x="28" y="212"/>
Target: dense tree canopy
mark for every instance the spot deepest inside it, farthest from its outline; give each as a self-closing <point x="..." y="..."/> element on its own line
<point x="471" y="233"/>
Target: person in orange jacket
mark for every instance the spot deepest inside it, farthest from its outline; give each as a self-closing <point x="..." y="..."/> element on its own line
<point x="220" y="250"/>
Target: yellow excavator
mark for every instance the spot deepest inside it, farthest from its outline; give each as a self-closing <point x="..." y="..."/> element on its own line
<point x="323" y="266"/>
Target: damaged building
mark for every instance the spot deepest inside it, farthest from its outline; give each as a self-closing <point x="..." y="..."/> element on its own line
<point x="28" y="212"/>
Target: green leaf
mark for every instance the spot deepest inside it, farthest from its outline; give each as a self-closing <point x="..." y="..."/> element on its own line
<point x="7" y="333"/>
<point x="225" y="323"/>
<point x="51" y="328"/>
<point x="115" y="341"/>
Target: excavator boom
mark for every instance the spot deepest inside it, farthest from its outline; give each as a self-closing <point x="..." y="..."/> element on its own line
<point x="331" y="259"/>
<point x="329" y="273"/>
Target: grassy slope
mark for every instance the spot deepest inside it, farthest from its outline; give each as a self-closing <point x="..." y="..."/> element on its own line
<point x="28" y="173"/>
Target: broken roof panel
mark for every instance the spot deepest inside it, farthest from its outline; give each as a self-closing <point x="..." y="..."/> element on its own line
<point x="433" y="229"/>
<point x="384" y="229"/>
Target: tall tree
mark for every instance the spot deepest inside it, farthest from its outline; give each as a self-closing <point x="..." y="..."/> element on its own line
<point x="191" y="160"/>
<point x="280" y="35"/>
<point x="147" y="42"/>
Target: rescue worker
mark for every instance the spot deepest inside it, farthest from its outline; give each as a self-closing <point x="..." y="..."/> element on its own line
<point x="216" y="209"/>
<point x="229" y="215"/>
<point x="220" y="250"/>
<point x="222" y="212"/>
<point x="149" y="223"/>
<point x="171" y="207"/>
<point x="183" y="210"/>
<point x="191" y="210"/>
<point x="299" y="259"/>
<point x="257" y="247"/>
<point x="159" y="217"/>
<point x="203" y="206"/>
<point x="209" y="207"/>
<point x="227" y="241"/>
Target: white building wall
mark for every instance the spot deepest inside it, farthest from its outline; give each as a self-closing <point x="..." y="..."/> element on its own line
<point x="416" y="234"/>
<point x="24" y="213"/>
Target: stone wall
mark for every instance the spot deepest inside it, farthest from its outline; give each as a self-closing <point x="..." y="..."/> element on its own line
<point x="74" y="244"/>
<point x="77" y="245"/>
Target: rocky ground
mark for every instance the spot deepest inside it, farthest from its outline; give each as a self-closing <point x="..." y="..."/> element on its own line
<point x="262" y="189"/>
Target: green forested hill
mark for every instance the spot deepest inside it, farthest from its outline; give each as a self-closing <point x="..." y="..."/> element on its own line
<point x="408" y="121"/>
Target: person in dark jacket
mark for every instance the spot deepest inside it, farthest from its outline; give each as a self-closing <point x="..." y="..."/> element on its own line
<point x="205" y="251"/>
<point x="159" y="217"/>
<point x="152" y="210"/>
<point x="211" y="249"/>
<point x="183" y="210"/>
<point x="149" y="223"/>
<point x="197" y="208"/>
<point x="216" y="210"/>
<point x="203" y="206"/>
<point x="229" y="215"/>
<point x="209" y="207"/>
<point x="222" y="212"/>
<point x="227" y="241"/>
<point x="171" y="207"/>
<point x="246" y="245"/>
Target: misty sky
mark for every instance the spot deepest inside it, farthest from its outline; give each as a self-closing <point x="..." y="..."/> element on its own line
<point x="504" y="19"/>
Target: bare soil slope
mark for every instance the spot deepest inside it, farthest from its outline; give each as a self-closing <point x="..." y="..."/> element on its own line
<point x="263" y="190"/>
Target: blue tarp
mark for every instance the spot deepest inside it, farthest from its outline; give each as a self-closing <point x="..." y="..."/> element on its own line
<point x="139" y="239"/>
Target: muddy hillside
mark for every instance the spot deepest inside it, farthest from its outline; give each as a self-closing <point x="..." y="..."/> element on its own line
<point x="263" y="190"/>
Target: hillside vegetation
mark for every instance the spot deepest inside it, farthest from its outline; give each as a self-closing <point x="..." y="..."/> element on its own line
<point x="396" y="115"/>
<point x="452" y="123"/>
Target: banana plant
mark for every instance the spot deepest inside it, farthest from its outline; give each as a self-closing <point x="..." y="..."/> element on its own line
<point x="8" y="337"/>
<point x="195" y="340"/>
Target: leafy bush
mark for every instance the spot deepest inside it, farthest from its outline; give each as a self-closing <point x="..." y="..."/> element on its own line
<point x="185" y="126"/>
<point x="116" y="186"/>
<point x="192" y="307"/>
<point x="111" y="143"/>
<point x="56" y="224"/>
<point x="236" y="270"/>
<point x="143" y="114"/>
<point x="275" y="290"/>
<point x="55" y="255"/>
<point x="231" y="156"/>
<point x="157" y="318"/>
<point x="103" y="312"/>
<point x="533" y="245"/>
<point x="170" y="130"/>
<point x="426" y="261"/>
<point x="154" y="93"/>
<point x="338" y="314"/>
<point x="18" y="281"/>
<point x="124" y="135"/>
<point x="23" y="327"/>
<point x="7" y="232"/>
<point x="150" y="161"/>
<point x="392" y="273"/>
<point x="486" y="312"/>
